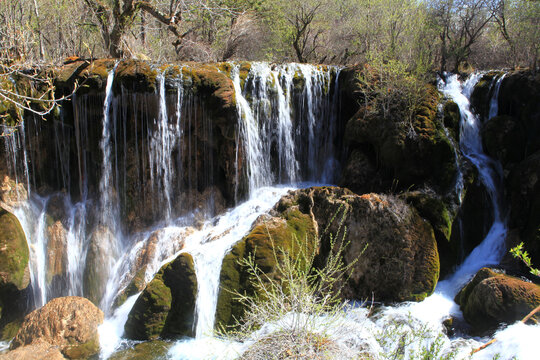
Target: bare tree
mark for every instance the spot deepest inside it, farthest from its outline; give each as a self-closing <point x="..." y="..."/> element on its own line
<point x="460" y="23"/>
<point x="304" y="35"/>
<point x="116" y="17"/>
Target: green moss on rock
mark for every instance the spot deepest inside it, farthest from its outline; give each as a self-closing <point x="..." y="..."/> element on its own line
<point x="166" y="307"/>
<point x="266" y="242"/>
<point x="14" y="252"/>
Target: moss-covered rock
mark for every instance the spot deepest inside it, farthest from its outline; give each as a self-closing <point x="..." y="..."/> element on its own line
<point x="166" y="307"/>
<point x="149" y="350"/>
<point x="135" y="75"/>
<point x="14" y="275"/>
<point x="451" y="118"/>
<point x="407" y="151"/>
<point x="483" y="92"/>
<point x="492" y="298"/>
<point x="392" y="250"/>
<point x="267" y="242"/>
<point x="504" y="139"/>
<point x="14" y="253"/>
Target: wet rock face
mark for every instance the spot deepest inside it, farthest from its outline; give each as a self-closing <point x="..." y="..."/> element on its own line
<point x="513" y="138"/>
<point x="492" y="298"/>
<point x="70" y="323"/>
<point x="166" y="307"/>
<point x="14" y="274"/>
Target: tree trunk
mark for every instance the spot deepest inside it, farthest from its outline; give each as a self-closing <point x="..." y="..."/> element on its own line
<point x="40" y="35"/>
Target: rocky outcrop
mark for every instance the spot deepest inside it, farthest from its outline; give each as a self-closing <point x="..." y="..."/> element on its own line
<point x="144" y="258"/>
<point x="392" y="250"/>
<point x="37" y="351"/>
<point x="14" y="273"/>
<point x="492" y="298"/>
<point x="70" y="323"/>
<point x="407" y="151"/>
<point x="166" y="307"/>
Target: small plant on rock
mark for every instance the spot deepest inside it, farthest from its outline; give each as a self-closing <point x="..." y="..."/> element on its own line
<point x="291" y="310"/>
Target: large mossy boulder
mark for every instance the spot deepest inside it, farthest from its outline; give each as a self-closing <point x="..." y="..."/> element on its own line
<point x="14" y="274"/>
<point x="394" y="248"/>
<point x="70" y="323"/>
<point x="166" y="307"/>
<point x="14" y="253"/>
<point x="391" y="249"/>
<point x="492" y="298"/>
<point x="269" y="240"/>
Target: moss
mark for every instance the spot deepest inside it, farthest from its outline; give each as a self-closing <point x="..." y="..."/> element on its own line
<point x="135" y="285"/>
<point x="167" y="305"/>
<point x="436" y="210"/>
<point x="451" y="118"/>
<point x="9" y="330"/>
<point x="136" y="75"/>
<point x="144" y="351"/>
<point x="266" y="242"/>
<point x="481" y="275"/>
<point x="299" y="82"/>
<point x="14" y="252"/>
<point x="212" y="84"/>
<point x="426" y="274"/>
<point x="82" y="351"/>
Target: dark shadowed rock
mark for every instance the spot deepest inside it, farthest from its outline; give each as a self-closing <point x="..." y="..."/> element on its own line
<point x="166" y="307"/>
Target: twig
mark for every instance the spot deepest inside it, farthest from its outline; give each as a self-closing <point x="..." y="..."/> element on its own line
<point x="524" y="320"/>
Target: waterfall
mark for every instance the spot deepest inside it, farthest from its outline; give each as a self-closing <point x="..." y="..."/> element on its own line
<point x="494" y="102"/>
<point x="162" y="142"/>
<point x="287" y="119"/>
<point x="492" y="248"/>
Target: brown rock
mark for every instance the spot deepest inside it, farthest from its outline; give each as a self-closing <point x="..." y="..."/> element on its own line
<point x="56" y="250"/>
<point x="38" y="351"/>
<point x="492" y="298"/>
<point x="11" y="193"/>
<point x="400" y="262"/>
<point x="69" y="322"/>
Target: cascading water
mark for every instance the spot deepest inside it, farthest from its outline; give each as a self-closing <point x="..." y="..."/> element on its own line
<point x="494" y="103"/>
<point x="281" y="124"/>
<point x="286" y="134"/>
<point x="490" y="251"/>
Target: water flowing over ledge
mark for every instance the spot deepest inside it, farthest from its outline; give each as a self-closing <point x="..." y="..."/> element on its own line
<point x="158" y="192"/>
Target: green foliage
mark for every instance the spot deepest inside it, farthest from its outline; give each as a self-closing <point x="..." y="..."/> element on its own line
<point x="391" y="89"/>
<point x="521" y="254"/>
<point x="412" y="343"/>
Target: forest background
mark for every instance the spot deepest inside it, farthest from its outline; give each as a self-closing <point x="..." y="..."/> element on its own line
<point x="422" y="36"/>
